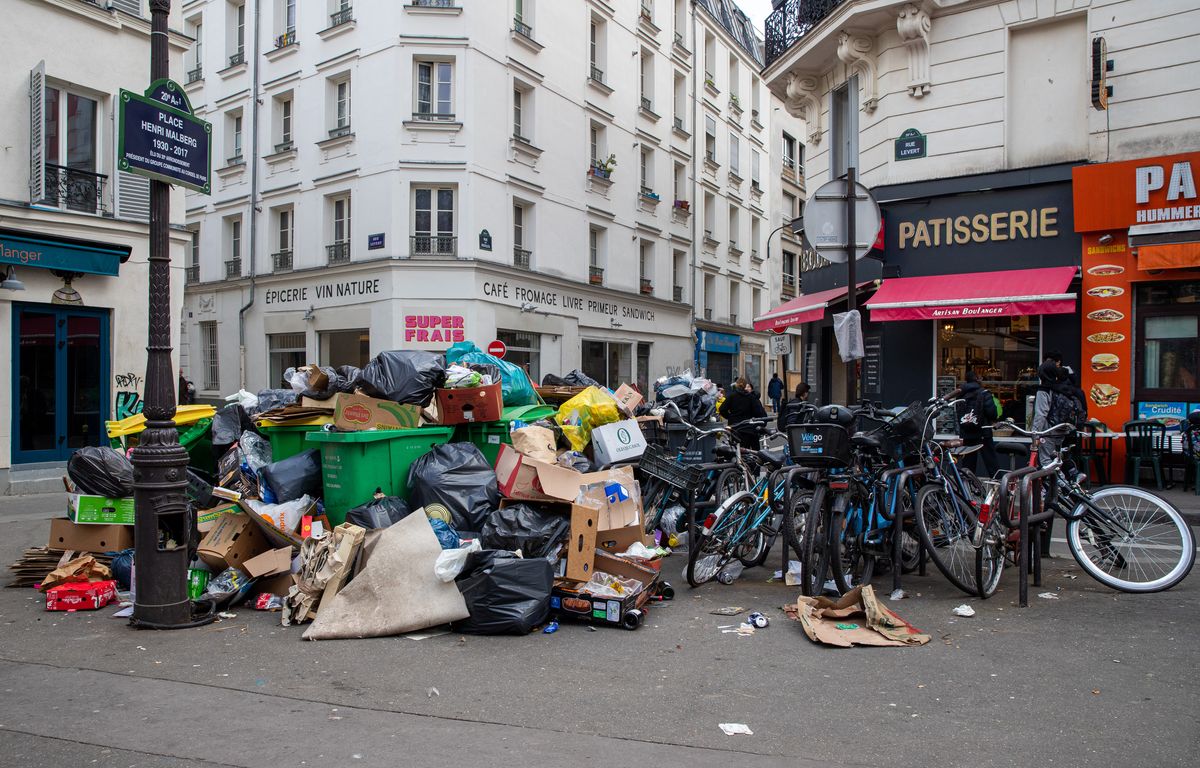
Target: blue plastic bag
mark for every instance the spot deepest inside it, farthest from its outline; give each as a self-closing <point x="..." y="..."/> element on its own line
<point x="447" y="536"/>
<point x="515" y="384"/>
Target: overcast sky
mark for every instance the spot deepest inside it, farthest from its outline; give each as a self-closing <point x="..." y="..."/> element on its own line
<point x="757" y="10"/>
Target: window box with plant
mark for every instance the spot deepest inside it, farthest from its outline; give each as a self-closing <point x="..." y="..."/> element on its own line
<point x="646" y="287"/>
<point x="596" y="275"/>
<point x="735" y="105"/>
<point x="602" y="169"/>
<point x="650" y="194"/>
<point x="683" y="205"/>
<point x="710" y="84"/>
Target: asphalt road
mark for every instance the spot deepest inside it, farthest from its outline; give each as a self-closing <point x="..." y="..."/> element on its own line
<point x="1093" y="678"/>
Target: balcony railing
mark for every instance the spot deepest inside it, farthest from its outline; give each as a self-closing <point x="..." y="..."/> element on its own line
<point x="233" y="269"/>
<point x="596" y="275"/>
<point x="733" y="318"/>
<point x="191" y="274"/>
<point x="344" y="16"/>
<point x="679" y="125"/>
<point x="679" y="40"/>
<point x="74" y="189"/>
<point x="711" y="156"/>
<point x="195" y="74"/>
<point x="281" y="261"/>
<point x="286" y="39"/>
<point x="792" y="21"/>
<point x="677" y="293"/>
<point x="433" y="3"/>
<point x="338" y="253"/>
<point x="434" y="117"/>
<point x="646" y="287"/>
<point x="237" y="58"/>
<point x="434" y="245"/>
<point x="284" y="146"/>
<point x="596" y="74"/>
<point x="340" y="130"/>
<point x="523" y="29"/>
<point x="521" y="257"/>
<point x="647" y="104"/>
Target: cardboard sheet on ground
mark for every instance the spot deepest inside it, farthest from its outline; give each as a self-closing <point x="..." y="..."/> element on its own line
<point x="396" y="592"/>
<point x="856" y="618"/>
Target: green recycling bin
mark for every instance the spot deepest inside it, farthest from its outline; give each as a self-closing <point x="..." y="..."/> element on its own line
<point x="354" y="465"/>
<point x="489" y="435"/>
<point x="287" y="440"/>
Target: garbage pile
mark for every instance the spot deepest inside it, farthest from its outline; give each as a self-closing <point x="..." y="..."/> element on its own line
<point x="420" y="490"/>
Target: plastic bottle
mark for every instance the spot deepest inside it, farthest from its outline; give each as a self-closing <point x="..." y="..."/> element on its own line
<point x="731" y="572"/>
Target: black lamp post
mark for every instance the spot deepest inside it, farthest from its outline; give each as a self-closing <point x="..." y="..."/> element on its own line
<point x="163" y="526"/>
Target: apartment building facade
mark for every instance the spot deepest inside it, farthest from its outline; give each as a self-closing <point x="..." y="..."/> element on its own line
<point x="408" y="175"/>
<point x="73" y="231"/>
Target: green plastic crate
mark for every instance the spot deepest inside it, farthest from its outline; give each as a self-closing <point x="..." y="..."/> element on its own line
<point x="488" y="436"/>
<point x="354" y="465"/>
<point x="287" y="441"/>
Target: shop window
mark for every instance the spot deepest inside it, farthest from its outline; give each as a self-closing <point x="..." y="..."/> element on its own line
<point x="608" y="363"/>
<point x="524" y="349"/>
<point x="1004" y="352"/>
<point x="284" y="350"/>
<point x="208" y="348"/>
<point x="346" y="348"/>
<point x="1167" y="328"/>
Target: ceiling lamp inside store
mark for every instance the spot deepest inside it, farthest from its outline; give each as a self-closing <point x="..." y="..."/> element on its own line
<point x="947" y="331"/>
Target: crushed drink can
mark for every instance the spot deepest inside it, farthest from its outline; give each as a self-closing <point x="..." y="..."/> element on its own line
<point x="758" y="620"/>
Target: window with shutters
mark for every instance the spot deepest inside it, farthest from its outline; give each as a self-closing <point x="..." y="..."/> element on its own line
<point x="64" y="138"/>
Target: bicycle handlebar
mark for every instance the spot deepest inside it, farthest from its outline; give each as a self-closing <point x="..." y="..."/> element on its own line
<point x="1062" y="428"/>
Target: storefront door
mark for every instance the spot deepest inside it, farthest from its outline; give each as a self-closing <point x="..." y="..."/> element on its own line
<point x="60" y="381"/>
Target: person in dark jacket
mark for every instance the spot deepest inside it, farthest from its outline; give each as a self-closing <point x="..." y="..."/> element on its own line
<point x="978" y="412"/>
<point x="742" y="404"/>
<point x="793" y="410"/>
<point x="775" y="391"/>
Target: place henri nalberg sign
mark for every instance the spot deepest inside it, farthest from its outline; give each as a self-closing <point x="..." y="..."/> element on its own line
<point x="158" y="137"/>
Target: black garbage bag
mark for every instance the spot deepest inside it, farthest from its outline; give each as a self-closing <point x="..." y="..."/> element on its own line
<point x="294" y="477"/>
<point x="578" y="378"/>
<point x="550" y="380"/>
<point x="122" y="568"/>
<point x="486" y="369"/>
<point x="347" y="375"/>
<point x="535" y="532"/>
<point x="403" y="376"/>
<point x="101" y="471"/>
<point x="457" y="478"/>
<point x="228" y="424"/>
<point x="696" y="407"/>
<point x="270" y="399"/>
<point x="506" y="595"/>
<point x="379" y="513"/>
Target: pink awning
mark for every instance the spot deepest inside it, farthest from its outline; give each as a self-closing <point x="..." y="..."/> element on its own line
<point x="802" y="309"/>
<point x="980" y="294"/>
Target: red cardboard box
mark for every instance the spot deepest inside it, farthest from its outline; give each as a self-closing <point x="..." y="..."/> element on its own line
<point x="81" y="595"/>
<point x="471" y="405"/>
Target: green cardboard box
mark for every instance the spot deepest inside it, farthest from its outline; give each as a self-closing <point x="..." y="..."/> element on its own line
<point x="83" y="509"/>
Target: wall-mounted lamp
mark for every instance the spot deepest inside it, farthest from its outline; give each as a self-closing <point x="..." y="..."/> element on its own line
<point x="1106" y="239"/>
<point x="11" y="282"/>
<point x="310" y="314"/>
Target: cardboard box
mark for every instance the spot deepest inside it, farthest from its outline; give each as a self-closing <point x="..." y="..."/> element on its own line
<point x="571" y="601"/>
<point x="81" y="595"/>
<point x="280" y="584"/>
<point x="619" y="519"/>
<point x="521" y="477"/>
<point x="207" y="518"/>
<point x="619" y="441"/>
<point x="471" y="405"/>
<point x="270" y="563"/>
<point x="89" y="538"/>
<point x="355" y="413"/>
<point x="628" y="399"/>
<point x="83" y="509"/>
<point x="231" y="542"/>
<point x="581" y="545"/>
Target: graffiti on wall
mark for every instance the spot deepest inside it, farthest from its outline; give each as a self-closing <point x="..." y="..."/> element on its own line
<point x="128" y="399"/>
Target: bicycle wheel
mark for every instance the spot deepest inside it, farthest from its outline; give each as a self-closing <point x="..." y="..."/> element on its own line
<point x="709" y="552"/>
<point x="795" y="515"/>
<point x="851" y="562"/>
<point x="989" y="561"/>
<point x="655" y="494"/>
<point x="945" y="534"/>
<point x="814" y="561"/>
<point x="1131" y="540"/>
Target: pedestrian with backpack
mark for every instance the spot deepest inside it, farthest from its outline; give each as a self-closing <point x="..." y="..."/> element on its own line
<point x="975" y="414"/>
<point x="1056" y="402"/>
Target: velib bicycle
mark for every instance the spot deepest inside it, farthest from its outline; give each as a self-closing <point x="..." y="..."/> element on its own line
<point x="1124" y="537"/>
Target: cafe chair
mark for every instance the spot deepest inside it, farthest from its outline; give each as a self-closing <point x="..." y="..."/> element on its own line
<point x="1191" y="450"/>
<point x="1096" y="447"/>
<point x="1144" y="441"/>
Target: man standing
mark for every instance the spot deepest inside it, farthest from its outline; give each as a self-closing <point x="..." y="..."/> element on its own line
<point x="975" y="413"/>
<point x="775" y="391"/>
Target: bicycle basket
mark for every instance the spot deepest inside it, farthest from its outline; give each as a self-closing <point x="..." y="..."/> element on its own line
<point x="660" y="465"/>
<point x="819" y="445"/>
<point x="909" y="424"/>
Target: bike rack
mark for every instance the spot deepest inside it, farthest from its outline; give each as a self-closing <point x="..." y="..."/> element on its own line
<point x="905" y="475"/>
<point x="1031" y="511"/>
<point x="786" y="474"/>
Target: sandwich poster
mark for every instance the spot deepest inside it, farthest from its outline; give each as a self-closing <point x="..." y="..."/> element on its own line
<point x="1107" y="309"/>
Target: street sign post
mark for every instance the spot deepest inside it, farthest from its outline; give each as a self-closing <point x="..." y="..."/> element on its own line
<point x="497" y="349"/>
<point x="158" y="137"/>
<point x="780" y="345"/>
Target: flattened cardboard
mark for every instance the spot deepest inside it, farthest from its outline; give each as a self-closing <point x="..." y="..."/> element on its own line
<point x="232" y="541"/>
<point x="269" y="563"/>
<point x="89" y="538"/>
<point x="355" y="413"/>
<point x="472" y="405"/>
<point x="877" y="626"/>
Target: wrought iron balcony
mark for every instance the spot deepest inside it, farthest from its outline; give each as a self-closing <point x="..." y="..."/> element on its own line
<point x="195" y="74"/>
<point x="282" y="261"/>
<point x="792" y="21"/>
<point x="338" y="131"/>
<point x="521" y="257"/>
<point x="284" y="146"/>
<point x="191" y="274"/>
<point x="338" y="253"/>
<point x="596" y="275"/>
<point x="74" y="189"/>
<point x="523" y="29"/>
<point x="233" y="269"/>
<point x="344" y="16"/>
<point x="434" y="117"/>
<point x="677" y="293"/>
<point x="433" y="3"/>
<point x="647" y="104"/>
<point x="679" y="40"/>
<point x="286" y="39"/>
<point x="237" y="58"/>
<point x="597" y="74"/>
<point x="434" y="245"/>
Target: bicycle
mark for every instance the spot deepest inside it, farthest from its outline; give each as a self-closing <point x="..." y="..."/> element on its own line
<point x="1124" y="537"/>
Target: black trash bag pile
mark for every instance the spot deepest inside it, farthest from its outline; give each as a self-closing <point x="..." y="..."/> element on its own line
<point x="228" y="424"/>
<point x="403" y="376"/>
<point x="293" y="477"/>
<point x="378" y="513"/>
<point x="270" y="399"/>
<point x="578" y="378"/>
<point x="457" y="478"/>
<point x="550" y="380"/>
<point x="337" y="380"/>
<point x="696" y="406"/>
<point x="506" y="595"/>
<point x="101" y="471"/>
<point x="522" y="527"/>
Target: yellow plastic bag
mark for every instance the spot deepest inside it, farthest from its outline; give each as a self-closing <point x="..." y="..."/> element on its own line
<point x="591" y="408"/>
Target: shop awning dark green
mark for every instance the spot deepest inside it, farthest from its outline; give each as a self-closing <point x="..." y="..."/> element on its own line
<point x="27" y="249"/>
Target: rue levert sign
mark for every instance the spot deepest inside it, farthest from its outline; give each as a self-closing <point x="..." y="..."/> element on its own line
<point x="158" y="137"/>
<point x="910" y="145"/>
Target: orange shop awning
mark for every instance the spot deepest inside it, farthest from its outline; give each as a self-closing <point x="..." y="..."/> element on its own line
<point x="1005" y="293"/>
<point x="1166" y="245"/>
<point x="802" y="309"/>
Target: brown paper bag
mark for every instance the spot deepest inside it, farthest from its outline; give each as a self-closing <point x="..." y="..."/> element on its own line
<point x="81" y="569"/>
<point x="536" y="443"/>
